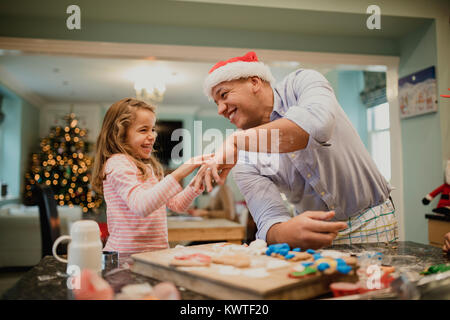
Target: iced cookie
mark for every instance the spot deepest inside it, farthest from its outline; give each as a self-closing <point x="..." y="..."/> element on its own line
<point x="306" y="272"/>
<point x="236" y="260"/>
<point x="191" y="260"/>
<point x="300" y="256"/>
<point x="351" y="261"/>
<point x="293" y="256"/>
<point x="326" y="265"/>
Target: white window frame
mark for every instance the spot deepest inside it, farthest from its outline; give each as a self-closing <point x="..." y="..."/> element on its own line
<point x="371" y="130"/>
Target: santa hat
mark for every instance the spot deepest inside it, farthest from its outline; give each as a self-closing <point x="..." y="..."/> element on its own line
<point x="236" y="68"/>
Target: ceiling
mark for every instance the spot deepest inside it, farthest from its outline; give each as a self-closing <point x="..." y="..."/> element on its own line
<point x="217" y="16"/>
<point x="82" y="79"/>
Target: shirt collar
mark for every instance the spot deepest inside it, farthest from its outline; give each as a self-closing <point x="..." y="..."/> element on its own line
<point x="276" y="112"/>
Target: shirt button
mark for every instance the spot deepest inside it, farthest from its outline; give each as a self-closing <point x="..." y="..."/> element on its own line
<point x="292" y="155"/>
<point x="322" y="193"/>
<point x="309" y="175"/>
<point x="332" y="207"/>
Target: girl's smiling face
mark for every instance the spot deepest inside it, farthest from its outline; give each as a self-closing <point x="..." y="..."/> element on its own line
<point x="141" y="134"/>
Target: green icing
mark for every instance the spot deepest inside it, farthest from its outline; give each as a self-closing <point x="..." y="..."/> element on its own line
<point x="308" y="270"/>
<point x="436" y="269"/>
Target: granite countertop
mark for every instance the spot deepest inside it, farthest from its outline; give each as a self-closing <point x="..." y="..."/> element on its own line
<point x="30" y="288"/>
<point x="406" y="256"/>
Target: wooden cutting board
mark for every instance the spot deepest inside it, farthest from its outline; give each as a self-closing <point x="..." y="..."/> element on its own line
<point x="210" y="282"/>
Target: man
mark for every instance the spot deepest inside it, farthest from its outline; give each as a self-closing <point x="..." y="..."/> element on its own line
<point x="322" y="163"/>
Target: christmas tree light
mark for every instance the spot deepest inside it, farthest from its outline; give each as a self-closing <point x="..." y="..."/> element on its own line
<point x="64" y="164"/>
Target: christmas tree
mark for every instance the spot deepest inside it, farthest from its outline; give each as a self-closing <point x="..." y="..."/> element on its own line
<point x="64" y="164"/>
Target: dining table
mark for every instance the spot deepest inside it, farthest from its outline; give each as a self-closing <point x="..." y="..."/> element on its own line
<point x="188" y="228"/>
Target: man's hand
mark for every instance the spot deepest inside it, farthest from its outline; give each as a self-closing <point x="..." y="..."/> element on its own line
<point x="220" y="166"/>
<point x="189" y="166"/>
<point x="446" y="246"/>
<point x="309" y="230"/>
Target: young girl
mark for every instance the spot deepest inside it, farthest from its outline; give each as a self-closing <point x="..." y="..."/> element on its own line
<point x="133" y="183"/>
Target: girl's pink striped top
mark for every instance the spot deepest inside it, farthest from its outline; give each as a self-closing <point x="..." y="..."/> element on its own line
<point x="136" y="209"/>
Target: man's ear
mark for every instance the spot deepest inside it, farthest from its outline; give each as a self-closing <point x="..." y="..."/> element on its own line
<point x="256" y="83"/>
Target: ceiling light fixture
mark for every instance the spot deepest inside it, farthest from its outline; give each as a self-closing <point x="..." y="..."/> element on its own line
<point x="149" y="82"/>
<point x="149" y="90"/>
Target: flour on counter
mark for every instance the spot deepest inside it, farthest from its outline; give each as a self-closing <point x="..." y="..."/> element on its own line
<point x="274" y="264"/>
<point x="229" y="270"/>
<point x="255" y="273"/>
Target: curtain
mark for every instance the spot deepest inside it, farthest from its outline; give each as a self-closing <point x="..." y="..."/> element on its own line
<point x="374" y="92"/>
<point x="2" y="115"/>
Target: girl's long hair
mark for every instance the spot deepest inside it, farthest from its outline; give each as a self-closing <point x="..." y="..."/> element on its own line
<point x="112" y="140"/>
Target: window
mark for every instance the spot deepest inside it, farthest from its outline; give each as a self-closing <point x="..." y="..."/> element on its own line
<point x="2" y="118"/>
<point x="379" y="138"/>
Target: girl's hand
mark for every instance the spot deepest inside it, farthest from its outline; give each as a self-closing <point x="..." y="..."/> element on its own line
<point x="186" y="168"/>
<point x="197" y="182"/>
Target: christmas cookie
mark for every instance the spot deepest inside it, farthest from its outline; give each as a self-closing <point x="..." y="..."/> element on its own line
<point x="191" y="260"/>
<point x="283" y="251"/>
<point x="307" y="272"/>
<point x="300" y="256"/>
<point x="326" y="265"/>
<point x="351" y="261"/>
<point x="236" y="260"/>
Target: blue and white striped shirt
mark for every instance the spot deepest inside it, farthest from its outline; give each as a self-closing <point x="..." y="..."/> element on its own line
<point x="334" y="171"/>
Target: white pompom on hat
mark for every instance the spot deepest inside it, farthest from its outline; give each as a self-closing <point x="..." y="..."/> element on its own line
<point x="236" y="68"/>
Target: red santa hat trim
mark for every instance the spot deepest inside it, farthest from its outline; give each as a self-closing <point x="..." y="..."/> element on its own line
<point x="236" y="68"/>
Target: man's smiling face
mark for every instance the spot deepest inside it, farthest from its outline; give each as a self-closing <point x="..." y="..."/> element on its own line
<point x="237" y="101"/>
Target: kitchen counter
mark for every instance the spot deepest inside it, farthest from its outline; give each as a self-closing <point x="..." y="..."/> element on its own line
<point x="419" y="256"/>
<point x="407" y="256"/>
<point x="30" y="288"/>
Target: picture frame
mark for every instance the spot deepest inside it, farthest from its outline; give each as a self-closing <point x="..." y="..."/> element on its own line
<point x="417" y="93"/>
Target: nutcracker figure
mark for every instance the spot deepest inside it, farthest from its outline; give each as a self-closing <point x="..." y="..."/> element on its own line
<point x="444" y="203"/>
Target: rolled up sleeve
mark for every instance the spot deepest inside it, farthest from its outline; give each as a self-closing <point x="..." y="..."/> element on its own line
<point x="262" y="197"/>
<point x="140" y="198"/>
<point x="316" y="105"/>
